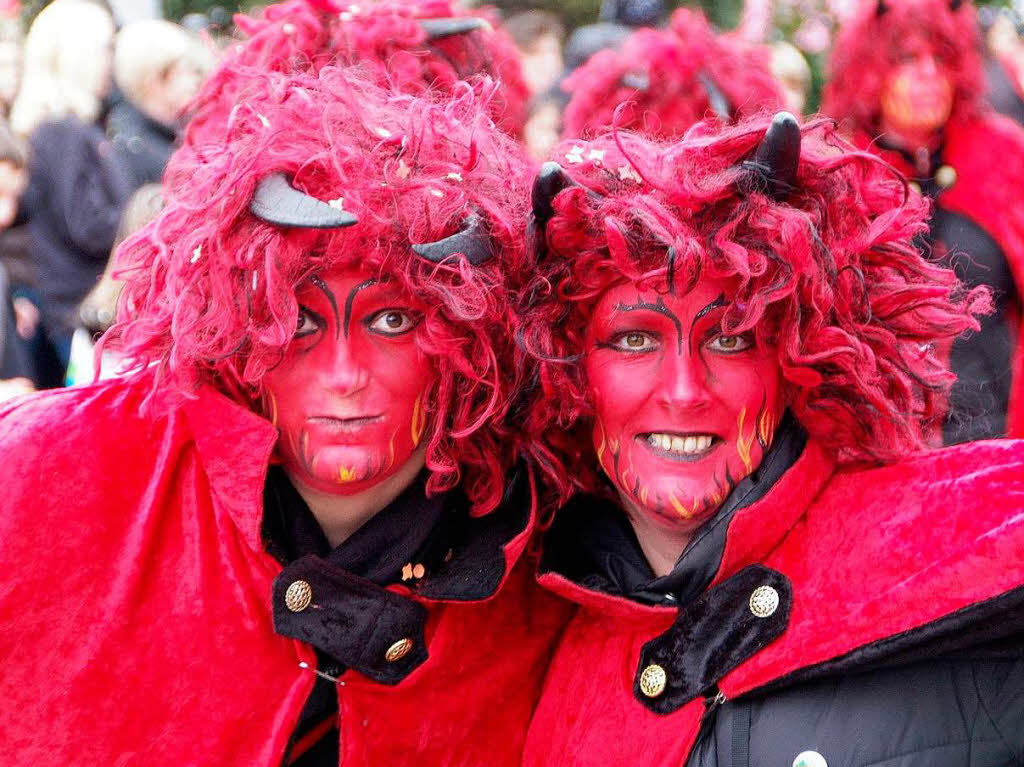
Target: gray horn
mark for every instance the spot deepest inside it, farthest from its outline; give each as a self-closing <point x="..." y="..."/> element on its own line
<point x="716" y="97"/>
<point x="279" y="203"/>
<point x="472" y="241"/>
<point x="460" y="25"/>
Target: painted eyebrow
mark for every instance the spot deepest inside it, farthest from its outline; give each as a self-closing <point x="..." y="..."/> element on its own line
<point x="659" y="308"/>
<point x="717" y="303"/>
<point x="322" y="286"/>
<point x="352" y="297"/>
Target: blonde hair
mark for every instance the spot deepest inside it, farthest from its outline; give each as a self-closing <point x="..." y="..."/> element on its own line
<point x="62" y="76"/>
<point x="150" y="47"/>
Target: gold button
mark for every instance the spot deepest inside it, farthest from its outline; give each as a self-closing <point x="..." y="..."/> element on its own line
<point x="945" y="176"/>
<point x="298" y="596"/>
<point x="915" y="186"/>
<point x="652" y="681"/>
<point x="398" y="650"/>
<point x="764" y="601"/>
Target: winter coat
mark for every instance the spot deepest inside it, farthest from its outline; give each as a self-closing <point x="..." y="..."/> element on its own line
<point x="859" y="616"/>
<point x="145" y="144"/>
<point x="139" y="604"/>
<point x="78" y="184"/>
<point x="975" y="180"/>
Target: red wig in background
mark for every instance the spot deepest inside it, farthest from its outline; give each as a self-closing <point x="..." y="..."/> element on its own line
<point x="404" y="46"/>
<point x="210" y="291"/>
<point x="829" y="275"/>
<point x="667" y="80"/>
<point x="877" y="39"/>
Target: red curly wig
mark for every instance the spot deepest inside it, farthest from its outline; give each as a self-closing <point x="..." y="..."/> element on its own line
<point x="876" y="38"/>
<point x="210" y="291"/>
<point x="830" y="276"/>
<point x="386" y="39"/>
<point x="666" y="80"/>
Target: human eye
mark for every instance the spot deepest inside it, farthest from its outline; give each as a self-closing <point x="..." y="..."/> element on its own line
<point x="634" y="341"/>
<point x="308" y="323"/>
<point x="727" y="344"/>
<point x="392" y="322"/>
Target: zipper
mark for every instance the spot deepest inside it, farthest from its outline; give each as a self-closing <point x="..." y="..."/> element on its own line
<point x="713" y="700"/>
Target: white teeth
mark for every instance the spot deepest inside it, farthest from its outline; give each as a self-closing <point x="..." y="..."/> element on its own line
<point x="691" y="445"/>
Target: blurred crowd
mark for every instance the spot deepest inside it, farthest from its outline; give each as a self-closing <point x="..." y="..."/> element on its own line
<point x="92" y="112"/>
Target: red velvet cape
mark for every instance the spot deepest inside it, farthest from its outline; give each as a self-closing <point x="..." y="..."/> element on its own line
<point x="136" y="618"/>
<point x="871" y="558"/>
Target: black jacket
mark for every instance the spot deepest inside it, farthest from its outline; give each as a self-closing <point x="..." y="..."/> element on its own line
<point x="78" y="184"/>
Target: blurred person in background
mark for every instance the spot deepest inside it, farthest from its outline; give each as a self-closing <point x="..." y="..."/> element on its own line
<point x="99" y="308"/>
<point x="409" y="47"/>
<point x="1004" y="63"/>
<point x="16" y="370"/>
<point x="615" y="20"/>
<point x="793" y="74"/>
<point x="906" y="78"/>
<point x="158" y="67"/>
<point x="669" y="79"/>
<point x="11" y="40"/>
<point x="78" y="181"/>
<point x="539" y="35"/>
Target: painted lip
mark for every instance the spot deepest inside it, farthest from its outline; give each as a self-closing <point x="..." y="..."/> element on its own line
<point x="669" y="455"/>
<point x="348" y="425"/>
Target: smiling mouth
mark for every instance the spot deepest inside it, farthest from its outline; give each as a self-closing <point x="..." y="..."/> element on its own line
<point x="680" y="447"/>
<point x="331" y="423"/>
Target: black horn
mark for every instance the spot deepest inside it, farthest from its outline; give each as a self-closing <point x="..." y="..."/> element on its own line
<point x="439" y="28"/>
<point x="777" y="157"/>
<point x="551" y="180"/>
<point x="472" y="241"/>
<point x="881" y="8"/>
<point x="279" y="203"/>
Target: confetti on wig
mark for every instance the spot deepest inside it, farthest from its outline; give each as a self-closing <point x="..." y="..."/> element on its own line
<point x="830" y="276"/>
<point x="224" y="319"/>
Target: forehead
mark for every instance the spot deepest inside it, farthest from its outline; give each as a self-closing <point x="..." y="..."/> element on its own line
<point x="342" y="281"/>
<point x="684" y="305"/>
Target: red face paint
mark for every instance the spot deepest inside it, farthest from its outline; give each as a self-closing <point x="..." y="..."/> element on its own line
<point x="348" y="397"/>
<point x="917" y="96"/>
<point x="683" y="412"/>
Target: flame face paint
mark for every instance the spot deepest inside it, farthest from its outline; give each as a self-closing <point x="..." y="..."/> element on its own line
<point x="682" y="412"/>
<point x="917" y="97"/>
<point x="349" y="396"/>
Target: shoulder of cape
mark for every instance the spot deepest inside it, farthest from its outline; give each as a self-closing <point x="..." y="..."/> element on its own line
<point x="889" y="559"/>
<point x="76" y="419"/>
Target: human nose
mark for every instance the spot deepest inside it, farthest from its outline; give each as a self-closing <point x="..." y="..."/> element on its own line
<point x="684" y="383"/>
<point x="346" y="373"/>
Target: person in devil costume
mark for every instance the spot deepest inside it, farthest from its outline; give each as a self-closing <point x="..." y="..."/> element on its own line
<point x="740" y="363"/>
<point x="411" y="47"/>
<point x="907" y="78"/>
<point x="290" y="535"/>
<point x="663" y="81"/>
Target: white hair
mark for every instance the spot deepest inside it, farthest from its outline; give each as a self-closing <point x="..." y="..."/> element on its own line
<point x="148" y="48"/>
<point x="66" y="65"/>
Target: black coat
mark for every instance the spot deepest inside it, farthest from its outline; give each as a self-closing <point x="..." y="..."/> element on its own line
<point x="78" y="184"/>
